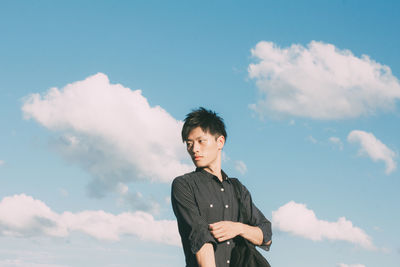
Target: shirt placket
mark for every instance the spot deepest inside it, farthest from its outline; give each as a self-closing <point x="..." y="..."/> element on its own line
<point x="227" y="214"/>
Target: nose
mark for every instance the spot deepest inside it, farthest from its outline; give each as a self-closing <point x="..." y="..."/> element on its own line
<point x="195" y="147"/>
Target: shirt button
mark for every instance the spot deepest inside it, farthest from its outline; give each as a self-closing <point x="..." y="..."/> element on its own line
<point x="226" y="206"/>
<point x="211" y="205"/>
<point x="228" y="261"/>
<point x="222" y="189"/>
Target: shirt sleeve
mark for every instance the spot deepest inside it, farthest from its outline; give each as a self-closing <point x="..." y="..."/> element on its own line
<point x="257" y="218"/>
<point x="193" y="228"/>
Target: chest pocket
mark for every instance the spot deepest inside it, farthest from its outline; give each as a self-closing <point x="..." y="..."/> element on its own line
<point x="211" y="210"/>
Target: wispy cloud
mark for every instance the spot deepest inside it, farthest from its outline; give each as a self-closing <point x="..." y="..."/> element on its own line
<point x="2" y="162"/>
<point x="320" y="81"/>
<point x="24" y="216"/>
<point x="336" y="141"/>
<point x="297" y="219"/>
<point x="373" y="148"/>
<point x="111" y="131"/>
<point x="240" y="166"/>
<point x="312" y="139"/>
<point x="63" y="192"/>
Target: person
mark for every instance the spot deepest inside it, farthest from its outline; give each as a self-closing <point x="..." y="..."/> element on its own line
<point x="204" y="201"/>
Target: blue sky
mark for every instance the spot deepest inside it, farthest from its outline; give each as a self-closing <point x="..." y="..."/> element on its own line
<point x="309" y="91"/>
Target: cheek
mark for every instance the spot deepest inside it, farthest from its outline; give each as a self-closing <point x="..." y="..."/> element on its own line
<point x="211" y="150"/>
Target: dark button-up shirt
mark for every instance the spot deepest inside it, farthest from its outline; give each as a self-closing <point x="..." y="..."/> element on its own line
<point x="199" y="199"/>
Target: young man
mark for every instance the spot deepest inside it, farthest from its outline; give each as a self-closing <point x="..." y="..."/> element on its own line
<point x="204" y="201"/>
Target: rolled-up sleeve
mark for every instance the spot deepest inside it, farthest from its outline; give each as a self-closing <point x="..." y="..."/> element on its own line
<point x="193" y="228"/>
<point x="257" y="218"/>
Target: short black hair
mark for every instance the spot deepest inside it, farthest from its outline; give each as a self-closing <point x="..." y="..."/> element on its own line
<point x="207" y="120"/>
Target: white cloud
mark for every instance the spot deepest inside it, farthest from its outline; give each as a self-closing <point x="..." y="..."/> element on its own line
<point x="225" y="157"/>
<point x="136" y="201"/>
<point x="2" y="162"/>
<point x="24" y="216"/>
<point x="374" y="148"/>
<point x="297" y="219"/>
<point x="350" y="265"/>
<point x="336" y="141"/>
<point x="320" y="81"/>
<point x="240" y="166"/>
<point x="111" y="131"/>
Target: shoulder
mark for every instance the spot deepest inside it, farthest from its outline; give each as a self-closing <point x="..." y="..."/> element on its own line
<point x="241" y="187"/>
<point x="183" y="187"/>
<point x="237" y="182"/>
<point x="183" y="180"/>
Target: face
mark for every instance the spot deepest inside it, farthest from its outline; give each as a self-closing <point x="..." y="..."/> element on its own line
<point x="204" y="148"/>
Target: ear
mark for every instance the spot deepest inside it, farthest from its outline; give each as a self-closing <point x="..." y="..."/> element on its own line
<point x="220" y="142"/>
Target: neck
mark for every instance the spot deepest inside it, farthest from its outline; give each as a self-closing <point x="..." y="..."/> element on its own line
<point x="214" y="171"/>
<point x="215" y="168"/>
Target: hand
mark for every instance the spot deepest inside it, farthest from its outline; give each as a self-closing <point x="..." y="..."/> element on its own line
<point x="225" y="230"/>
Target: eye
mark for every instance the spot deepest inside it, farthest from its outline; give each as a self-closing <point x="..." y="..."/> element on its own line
<point x="189" y="143"/>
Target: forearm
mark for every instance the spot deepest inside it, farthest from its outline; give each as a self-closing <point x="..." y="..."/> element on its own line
<point x="251" y="233"/>
<point x="205" y="256"/>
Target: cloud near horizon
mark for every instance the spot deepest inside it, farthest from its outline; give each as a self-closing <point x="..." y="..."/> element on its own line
<point x="350" y="265"/>
<point x="374" y="148"/>
<point x="297" y="219"/>
<point x="110" y="131"/>
<point x="24" y="216"/>
<point x="320" y="81"/>
<point x="22" y="263"/>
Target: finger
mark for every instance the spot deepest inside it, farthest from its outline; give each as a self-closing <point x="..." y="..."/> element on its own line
<point x="218" y="236"/>
<point x="216" y="227"/>
<point x="217" y="233"/>
<point x="213" y="225"/>
<point x="217" y="224"/>
<point x="222" y="239"/>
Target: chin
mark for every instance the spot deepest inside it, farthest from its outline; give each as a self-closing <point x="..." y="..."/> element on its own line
<point x="198" y="164"/>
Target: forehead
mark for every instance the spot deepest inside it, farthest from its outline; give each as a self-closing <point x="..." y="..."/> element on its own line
<point x="198" y="133"/>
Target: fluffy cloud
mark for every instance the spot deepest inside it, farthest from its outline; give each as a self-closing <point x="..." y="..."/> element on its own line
<point x="297" y="219"/>
<point x="320" y="81"/>
<point x="24" y="216"/>
<point x="374" y="148"/>
<point x="350" y="265"/>
<point x="136" y="201"/>
<point x="111" y="131"/>
<point x="240" y="166"/>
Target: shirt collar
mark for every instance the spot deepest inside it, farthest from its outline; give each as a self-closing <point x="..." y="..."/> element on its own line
<point x="224" y="175"/>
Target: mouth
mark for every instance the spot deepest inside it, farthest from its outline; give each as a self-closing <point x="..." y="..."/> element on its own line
<point x="197" y="157"/>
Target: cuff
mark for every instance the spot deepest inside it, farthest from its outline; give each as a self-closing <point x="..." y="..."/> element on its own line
<point x="266" y="237"/>
<point x="264" y="245"/>
<point x="199" y="237"/>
